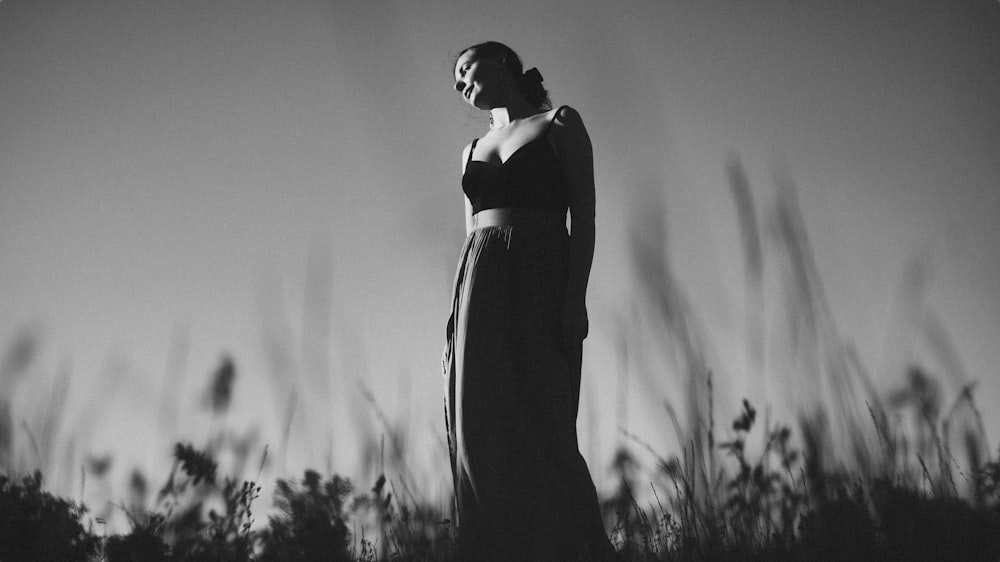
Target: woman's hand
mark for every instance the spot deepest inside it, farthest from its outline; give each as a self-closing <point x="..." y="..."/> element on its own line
<point x="575" y="325"/>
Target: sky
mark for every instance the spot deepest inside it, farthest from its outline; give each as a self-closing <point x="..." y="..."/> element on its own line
<point x="278" y="182"/>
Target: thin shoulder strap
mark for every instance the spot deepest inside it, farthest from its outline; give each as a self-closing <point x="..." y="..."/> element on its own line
<point x="471" y="150"/>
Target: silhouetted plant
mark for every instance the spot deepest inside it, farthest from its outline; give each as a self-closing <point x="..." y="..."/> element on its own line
<point x="221" y="392"/>
<point x="840" y="529"/>
<point x="989" y="484"/>
<point x="35" y="525"/>
<point x="226" y="536"/>
<point x="311" y="524"/>
<point x="196" y="464"/>
<point x="181" y="520"/>
<point x="407" y="530"/>
<point x="763" y="502"/>
<point x="143" y="544"/>
<point x="916" y="526"/>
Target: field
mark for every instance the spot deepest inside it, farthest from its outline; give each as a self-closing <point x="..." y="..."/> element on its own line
<point x="853" y="474"/>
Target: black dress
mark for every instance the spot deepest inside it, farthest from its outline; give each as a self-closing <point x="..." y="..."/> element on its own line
<point x="522" y="489"/>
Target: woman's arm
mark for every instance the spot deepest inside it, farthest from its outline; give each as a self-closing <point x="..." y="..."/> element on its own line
<point x="468" y="216"/>
<point x="576" y="152"/>
<point x="468" y="204"/>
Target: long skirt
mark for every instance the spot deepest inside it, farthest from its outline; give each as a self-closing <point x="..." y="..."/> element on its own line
<point x="523" y="491"/>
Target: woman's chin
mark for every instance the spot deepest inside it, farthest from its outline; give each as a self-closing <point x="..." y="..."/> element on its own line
<point x="480" y="102"/>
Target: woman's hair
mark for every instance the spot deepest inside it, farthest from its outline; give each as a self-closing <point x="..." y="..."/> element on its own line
<point x="529" y="83"/>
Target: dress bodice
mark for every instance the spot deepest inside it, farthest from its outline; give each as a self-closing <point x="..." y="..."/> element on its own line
<point x="532" y="177"/>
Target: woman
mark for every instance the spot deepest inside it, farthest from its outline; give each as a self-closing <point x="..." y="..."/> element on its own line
<point x="518" y="321"/>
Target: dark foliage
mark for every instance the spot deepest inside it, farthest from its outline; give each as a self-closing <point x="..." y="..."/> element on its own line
<point x="764" y="515"/>
<point x="35" y="525"/>
<point x="840" y="529"/>
<point x="225" y="536"/>
<point x="918" y="527"/>
<point x="143" y="544"/>
<point x="312" y="523"/>
<point x="196" y="464"/>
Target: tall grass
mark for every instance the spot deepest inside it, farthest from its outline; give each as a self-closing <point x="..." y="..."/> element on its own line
<point x="854" y="450"/>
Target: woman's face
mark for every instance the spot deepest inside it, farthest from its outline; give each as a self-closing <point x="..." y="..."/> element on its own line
<point x="479" y="79"/>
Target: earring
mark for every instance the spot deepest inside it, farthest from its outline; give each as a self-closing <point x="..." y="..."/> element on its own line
<point x="491" y="119"/>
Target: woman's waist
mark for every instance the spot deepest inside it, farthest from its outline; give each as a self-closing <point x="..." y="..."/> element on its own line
<point x="521" y="217"/>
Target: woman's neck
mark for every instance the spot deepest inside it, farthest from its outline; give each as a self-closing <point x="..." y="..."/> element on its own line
<point x="501" y="117"/>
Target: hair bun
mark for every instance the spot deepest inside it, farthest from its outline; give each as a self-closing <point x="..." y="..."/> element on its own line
<point x="533" y="75"/>
<point x="531" y="87"/>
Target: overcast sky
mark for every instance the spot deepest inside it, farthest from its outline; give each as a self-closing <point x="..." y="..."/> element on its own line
<point x="172" y="173"/>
